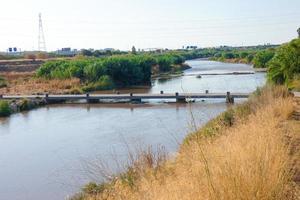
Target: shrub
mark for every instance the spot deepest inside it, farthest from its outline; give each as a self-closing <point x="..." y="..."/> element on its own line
<point x="228" y="55"/>
<point x="244" y="54"/>
<point x="262" y="58"/>
<point x="4" y="109"/>
<point x="164" y="63"/>
<point x="122" y="70"/>
<point x="284" y="67"/>
<point x="26" y="104"/>
<point x="250" y="58"/>
<point x="104" y="83"/>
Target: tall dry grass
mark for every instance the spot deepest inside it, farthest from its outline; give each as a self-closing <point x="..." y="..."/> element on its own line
<point x="248" y="159"/>
<point x="25" y="83"/>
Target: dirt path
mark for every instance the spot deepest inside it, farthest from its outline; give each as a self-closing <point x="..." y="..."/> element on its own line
<point x="296" y="114"/>
<point x="294" y="125"/>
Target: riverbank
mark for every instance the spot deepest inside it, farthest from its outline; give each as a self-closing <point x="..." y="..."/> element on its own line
<point x="8" y="108"/>
<point x="239" y="61"/>
<point x="244" y="153"/>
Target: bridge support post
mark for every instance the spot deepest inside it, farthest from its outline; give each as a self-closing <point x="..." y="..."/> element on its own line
<point x="46" y="98"/>
<point x="135" y="99"/>
<point x="91" y="100"/>
<point x="229" y="98"/>
<point x="179" y="99"/>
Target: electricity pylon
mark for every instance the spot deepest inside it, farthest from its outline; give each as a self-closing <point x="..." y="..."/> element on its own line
<point x="42" y="42"/>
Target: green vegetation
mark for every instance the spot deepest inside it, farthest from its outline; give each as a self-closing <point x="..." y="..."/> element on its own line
<point x="259" y="56"/>
<point x="25" y="105"/>
<point x="104" y="83"/>
<point x="114" y="71"/>
<point x="5" y="110"/>
<point x="284" y="68"/>
<point x="262" y="58"/>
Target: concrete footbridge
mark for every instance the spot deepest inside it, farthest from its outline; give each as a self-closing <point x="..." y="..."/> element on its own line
<point x="94" y="98"/>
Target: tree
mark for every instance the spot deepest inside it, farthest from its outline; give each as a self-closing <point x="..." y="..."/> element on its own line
<point x="133" y="50"/>
<point x="228" y="55"/>
<point x="244" y="54"/>
<point x="262" y="58"/>
<point x="86" y="52"/>
<point x="298" y="32"/>
<point x="284" y="67"/>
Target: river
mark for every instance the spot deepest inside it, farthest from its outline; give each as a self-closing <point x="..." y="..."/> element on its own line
<point x="50" y="152"/>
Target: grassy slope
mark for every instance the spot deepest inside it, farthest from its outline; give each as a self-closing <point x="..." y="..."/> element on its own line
<point x="242" y="154"/>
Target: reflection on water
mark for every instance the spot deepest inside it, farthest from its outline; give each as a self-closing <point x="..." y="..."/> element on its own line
<point x="42" y="151"/>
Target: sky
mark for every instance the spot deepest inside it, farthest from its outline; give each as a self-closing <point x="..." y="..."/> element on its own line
<point x="120" y="24"/>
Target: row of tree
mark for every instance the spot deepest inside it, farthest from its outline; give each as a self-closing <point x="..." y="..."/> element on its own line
<point x="258" y="57"/>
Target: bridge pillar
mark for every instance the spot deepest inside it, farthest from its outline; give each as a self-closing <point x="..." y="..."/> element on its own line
<point x="229" y="98"/>
<point x="46" y="98"/>
<point x="91" y="100"/>
<point x="53" y="101"/>
<point x="135" y="99"/>
<point x="179" y="99"/>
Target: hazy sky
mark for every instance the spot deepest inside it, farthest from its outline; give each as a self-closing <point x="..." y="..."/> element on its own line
<point x="147" y="23"/>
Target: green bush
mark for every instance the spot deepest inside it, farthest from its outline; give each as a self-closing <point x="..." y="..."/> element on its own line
<point x="4" y="109"/>
<point x="104" y="83"/>
<point x="228" y="55"/>
<point x="26" y="104"/>
<point x="164" y="63"/>
<point x="122" y="70"/>
<point x="250" y="58"/>
<point x="284" y="67"/>
<point x="262" y="58"/>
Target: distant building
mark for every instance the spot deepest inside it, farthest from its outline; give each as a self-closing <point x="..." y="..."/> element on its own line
<point x="67" y="52"/>
<point x="191" y="47"/>
<point x="13" y="51"/>
<point x="154" y="50"/>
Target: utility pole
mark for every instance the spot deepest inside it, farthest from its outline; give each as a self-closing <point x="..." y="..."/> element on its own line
<point x="41" y="42"/>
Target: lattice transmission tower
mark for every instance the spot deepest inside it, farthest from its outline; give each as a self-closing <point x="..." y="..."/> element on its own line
<point x="41" y="42"/>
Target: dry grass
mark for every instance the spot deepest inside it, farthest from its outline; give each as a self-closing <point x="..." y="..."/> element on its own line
<point x="24" y="83"/>
<point x="249" y="158"/>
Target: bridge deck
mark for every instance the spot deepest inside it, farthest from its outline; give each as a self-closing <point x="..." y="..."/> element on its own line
<point x="129" y="96"/>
